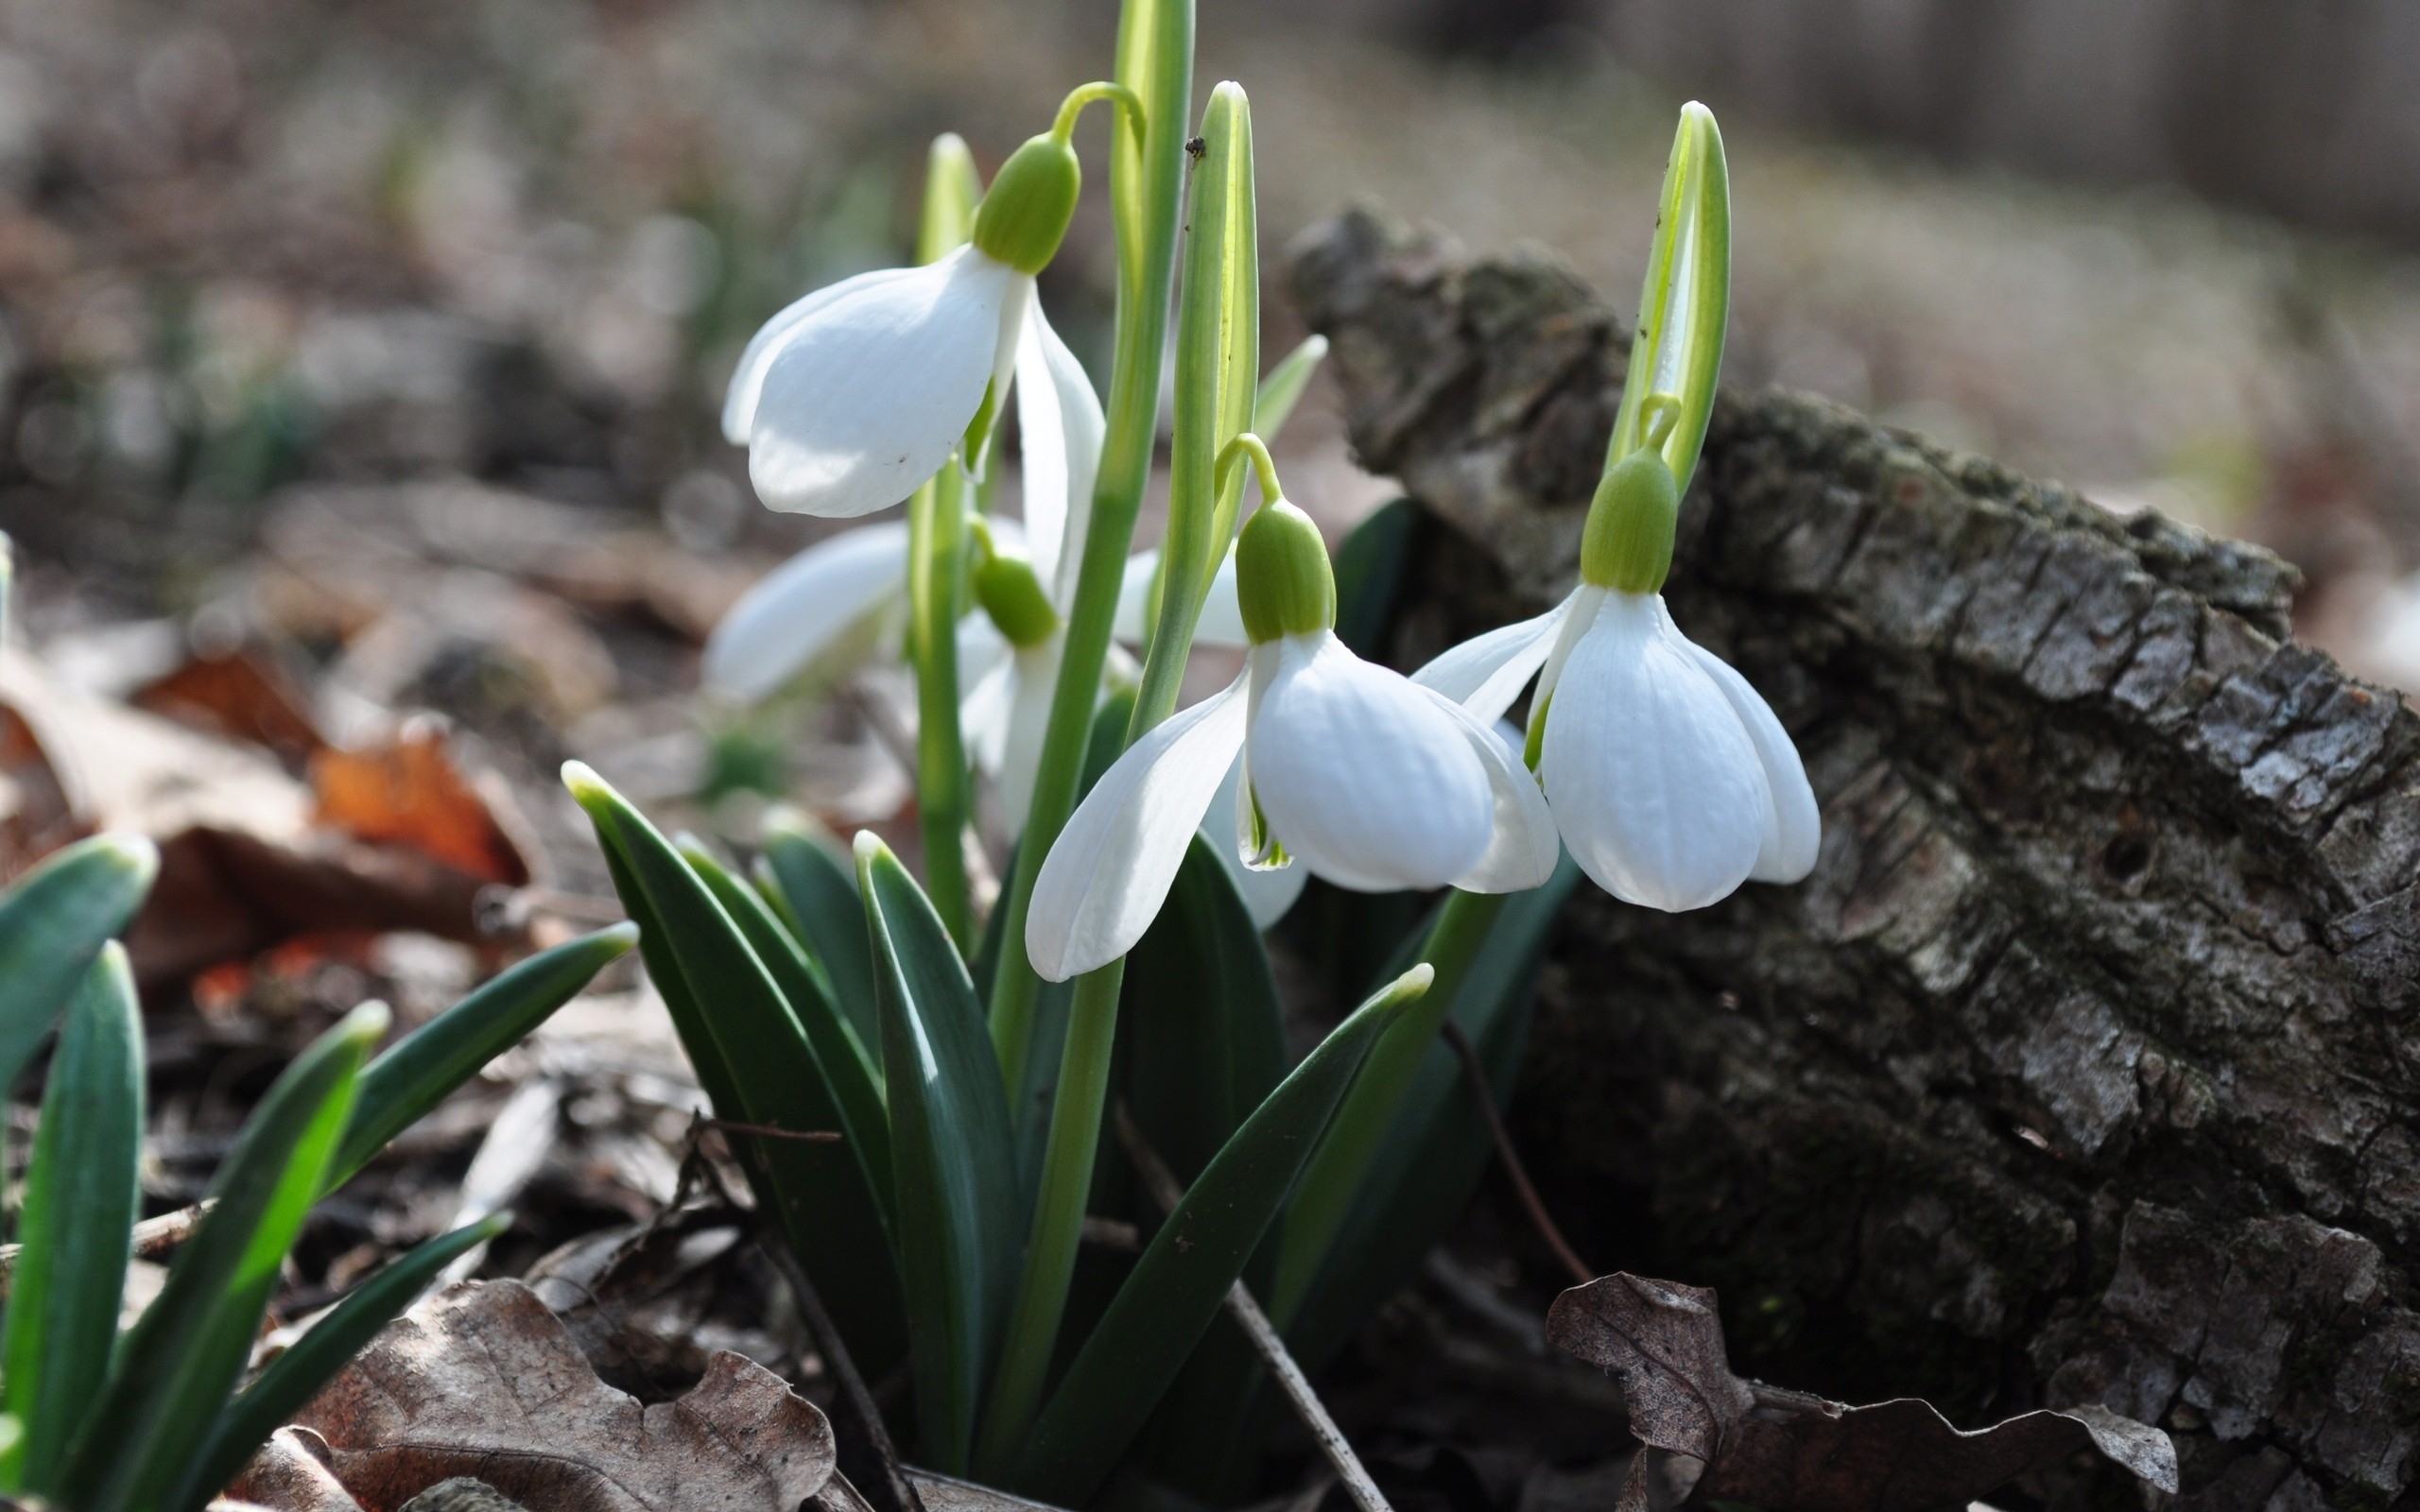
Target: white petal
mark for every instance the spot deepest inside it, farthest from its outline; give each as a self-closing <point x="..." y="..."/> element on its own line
<point x="1486" y="673"/>
<point x="1037" y="678"/>
<point x="1523" y="847"/>
<point x="1794" y="830"/>
<point x="1365" y="778"/>
<point x="1266" y="895"/>
<point x="1133" y="623"/>
<point x="869" y="394"/>
<point x="1104" y="880"/>
<point x="747" y="379"/>
<point x="984" y="714"/>
<point x="804" y="605"/>
<point x="981" y="648"/>
<point x="1060" y="423"/>
<point x="1221" y="621"/>
<point x="1651" y="777"/>
<point x="1222" y="616"/>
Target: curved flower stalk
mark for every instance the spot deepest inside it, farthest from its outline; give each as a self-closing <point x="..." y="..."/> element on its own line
<point x="1367" y="779"/>
<point x="1669" y="778"/>
<point x="852" y="397"/>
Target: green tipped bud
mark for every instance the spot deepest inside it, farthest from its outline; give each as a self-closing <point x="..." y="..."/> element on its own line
<point x="1626" y="544"/>
<point x="1025" y="217"/>
<point x="1282" y="581"/>
<point x="1009" y="591"/>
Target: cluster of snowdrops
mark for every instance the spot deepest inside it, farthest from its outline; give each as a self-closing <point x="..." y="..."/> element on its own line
<point x="966" y="1055"/>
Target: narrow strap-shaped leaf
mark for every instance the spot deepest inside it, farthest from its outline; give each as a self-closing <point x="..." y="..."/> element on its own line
<point x="820" y="899"/>
<point x="52" y="924"/>
<point x="952" y="1155"/>
<point x="1369" y="576"/>
<point x="732" y="1019"/>
<point x="1175" y="1288"/>
<point x="847" y="1069"/>
<point x="1206" y="1034"/>
<point x="1438" y="1146"/>
<point x="295" y="1377"/>
<point x="422" y="1069"/>
<point x="82" y="1195"/>
<point x="174" y="1371"/>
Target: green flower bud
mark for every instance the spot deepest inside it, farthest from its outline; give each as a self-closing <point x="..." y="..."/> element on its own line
<point x="1626" y="544"/>
<point x="1011" y="595"/>
<point x="1283" y="582"/>
<point x="1025" y="217"/>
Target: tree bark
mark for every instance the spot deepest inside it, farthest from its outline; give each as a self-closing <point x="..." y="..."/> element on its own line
<point x="2086" y="1066"/>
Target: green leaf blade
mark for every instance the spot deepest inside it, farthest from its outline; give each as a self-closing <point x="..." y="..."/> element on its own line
<point x="1175" y="1290"/>
<point x="841" y="1057"/>
<point x="295" y="1377"/>
<point x="83" y="1193"/>
<point x="819" y="896"/>
<point x="52" y="924"/>
<point x="1206" y="1033"/>
<point x="755" y="1062"/>
<point x="953" y="1154"/>
<point x="174" y="1371"/>
<point x="423" y="1068"/>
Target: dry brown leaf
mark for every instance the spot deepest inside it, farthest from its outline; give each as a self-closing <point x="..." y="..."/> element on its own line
<point x="240" y="694"/>
<point x="409" y="792"/>
<point x="484" y="1381"/>
<point x="243" y="867"/>
<point x="1788" y="1451"/>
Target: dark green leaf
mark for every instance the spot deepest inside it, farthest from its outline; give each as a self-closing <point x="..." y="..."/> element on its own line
<point x="953" y="1165"/>
<point x="755" y="1062"/>
<point x="814" y="889"/>
<point x="1175" y="1288"/>
<point x="420" y="1070"/>
<point x="295" y="1377"/>
<point x="842" y="1059"/>
<point x="83" y="1196"/>
<point x="1206" y="1034"/>
<point x="1369" y="576"/>
<point x="52" y="924"/>
<point x="175" y="1366"/>
<point x="1438" y="1146"/>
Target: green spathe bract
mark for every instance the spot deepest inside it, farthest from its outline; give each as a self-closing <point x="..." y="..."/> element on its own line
<point x="1282" y="581"/>
<point x="1626" y="544"/>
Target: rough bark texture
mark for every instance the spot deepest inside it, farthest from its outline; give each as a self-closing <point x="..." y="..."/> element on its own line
<point x="2086" y="1067"/>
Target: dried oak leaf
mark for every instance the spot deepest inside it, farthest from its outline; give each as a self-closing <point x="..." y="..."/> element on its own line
<point x="483" y="1380"/>
<point x="1788" y="1451"/>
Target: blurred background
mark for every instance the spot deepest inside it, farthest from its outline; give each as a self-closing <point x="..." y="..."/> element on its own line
<point x="470" y="273"/>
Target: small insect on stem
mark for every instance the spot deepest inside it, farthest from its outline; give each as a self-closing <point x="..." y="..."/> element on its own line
<point x="1196" y="147"/>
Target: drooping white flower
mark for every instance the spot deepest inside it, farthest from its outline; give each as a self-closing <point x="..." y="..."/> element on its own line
<point x="852" y="397"/>
<point x="1352" y="770"/>
<point x="1668" y="776"/>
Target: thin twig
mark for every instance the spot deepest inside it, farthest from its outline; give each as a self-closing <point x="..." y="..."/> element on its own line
<point x="152" y="1238"/>
<point x="1476" y="1075"/>
<point x="844" y="1370"/>
<point x="1162" y="1185"/>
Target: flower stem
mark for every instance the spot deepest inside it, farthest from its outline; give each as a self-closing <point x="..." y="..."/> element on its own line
<point x="1075" y="1108"/>
<point x="1333" y="1178"/>
<point x="1129" y="108"/>
<point x="936" y="591"/>
<point x="1155" y="59"/>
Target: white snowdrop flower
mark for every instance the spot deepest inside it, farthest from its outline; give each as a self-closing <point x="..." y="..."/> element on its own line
<point x="1362" y="776"/>
<point x="851" y="398"/>
<point x="1669" y="778"/>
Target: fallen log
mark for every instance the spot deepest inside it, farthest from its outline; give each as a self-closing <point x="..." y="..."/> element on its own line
<point x="2085" y="1069"/>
